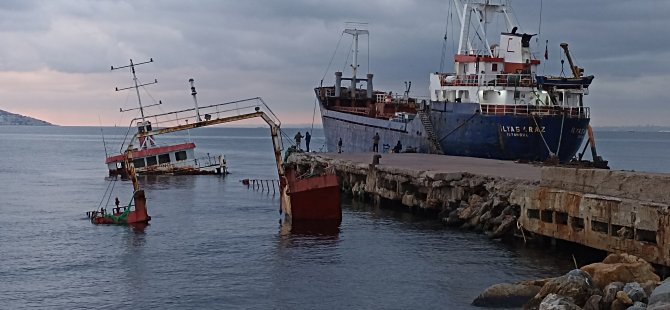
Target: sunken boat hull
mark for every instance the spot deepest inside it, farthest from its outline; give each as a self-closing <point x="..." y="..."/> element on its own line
<point x="314" y="198"/>
<point x="178" y="159"/>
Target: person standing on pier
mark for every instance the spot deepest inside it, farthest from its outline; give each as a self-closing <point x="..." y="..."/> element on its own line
<point x="398" y="147"/>
<point x="375" y="143"/>
<point x="339" y="146"/>
<point x="297" y="138"/>
<point x="308" y="137"/>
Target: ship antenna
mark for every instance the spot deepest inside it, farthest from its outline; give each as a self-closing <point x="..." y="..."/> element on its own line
<point x="136" y="86"/>
<point x="195" y="99"/>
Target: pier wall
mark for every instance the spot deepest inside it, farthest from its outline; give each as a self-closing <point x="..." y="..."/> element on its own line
<point x="615" y="211"/>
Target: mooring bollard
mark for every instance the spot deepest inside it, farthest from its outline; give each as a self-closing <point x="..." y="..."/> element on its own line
<point x="375" y="159"/>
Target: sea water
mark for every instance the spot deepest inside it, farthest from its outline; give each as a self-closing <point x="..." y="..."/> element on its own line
<point x="215" y="244"/>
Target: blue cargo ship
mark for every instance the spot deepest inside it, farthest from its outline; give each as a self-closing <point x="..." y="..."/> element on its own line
<point x="494" y="104"/>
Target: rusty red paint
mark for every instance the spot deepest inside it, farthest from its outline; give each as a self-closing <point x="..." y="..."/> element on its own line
<point x="314" y="198"/>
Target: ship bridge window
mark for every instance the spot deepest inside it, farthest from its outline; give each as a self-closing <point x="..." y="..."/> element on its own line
<point x="151" y="161"/>
<point x="181" y="155"/>
<point x="139" y="163"/>
<point x="163" y="158"/>
<point x="494" y="67"/>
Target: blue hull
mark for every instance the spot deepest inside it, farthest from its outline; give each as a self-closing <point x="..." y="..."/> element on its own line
<point x="463" y="131"/>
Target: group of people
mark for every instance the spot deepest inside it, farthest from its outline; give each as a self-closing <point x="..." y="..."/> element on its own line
<point x="375" y="143"/>
<point x="298" y="138"/>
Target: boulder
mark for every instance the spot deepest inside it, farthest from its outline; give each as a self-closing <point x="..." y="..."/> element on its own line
<point x="610" y="293"/>
<point x="638" y="306"/>
<point x="649" y="286"/>
<point x="576" y="284"/>
<point x="618" y="305"/>
<point x="506" y="295"/>
<point x="474" y="205"/>
<point x="660" y="297"/>
<point x="635" y="292"/>
<point x="621" y="268"/>
<point x="453" y="219"/>
<point x="557" y="302"/>
<point x="623" y="298"/>
<point x="508" y="222"/>
<point x="593" y="303"/>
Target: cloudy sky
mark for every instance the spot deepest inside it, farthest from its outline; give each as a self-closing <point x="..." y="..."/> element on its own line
<point x="55" y="55"/>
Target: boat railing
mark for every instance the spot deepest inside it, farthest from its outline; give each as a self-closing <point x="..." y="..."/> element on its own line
<point x="352" y="110"/>
<point x="207" y="113"/>
<point x="393" y="98"/>
<point x="210" y="112"/>
<point x="494" y="80"/>
<point x="508" y="109"/>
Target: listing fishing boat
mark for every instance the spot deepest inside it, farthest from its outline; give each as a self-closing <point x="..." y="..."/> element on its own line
<point x="134" y="213"/>
<point x="152" y="158"/>
<point x="494" y="104"/>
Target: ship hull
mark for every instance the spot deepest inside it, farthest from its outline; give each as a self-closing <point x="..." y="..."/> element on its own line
<point x="315" y="198"/>
<point x="462" y="130"/>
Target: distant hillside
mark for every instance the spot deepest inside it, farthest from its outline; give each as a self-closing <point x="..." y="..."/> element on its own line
<point x="7" y="118"/>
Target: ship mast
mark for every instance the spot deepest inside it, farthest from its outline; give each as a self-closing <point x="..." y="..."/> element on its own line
<point x="145" y="126"/>
<point x="355" y="33"/>
<point x="484" y="12"/>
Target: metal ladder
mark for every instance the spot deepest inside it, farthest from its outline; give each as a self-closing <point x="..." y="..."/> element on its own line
<point x="432" y="138"/>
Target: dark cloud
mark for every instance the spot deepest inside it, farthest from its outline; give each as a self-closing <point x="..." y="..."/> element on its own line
<point x="280" y="49"/>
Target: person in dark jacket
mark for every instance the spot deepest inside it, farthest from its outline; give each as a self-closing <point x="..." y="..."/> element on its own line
<point x="398" y="147"/>
<point x="308" y="137"/>
<point x="339" y="146"/>
<point x="298" y="138"/>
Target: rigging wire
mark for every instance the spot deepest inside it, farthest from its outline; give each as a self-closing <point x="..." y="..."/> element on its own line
<point x="313" y="115"/>
<point x="103" y="137"/>
<point x="444" y="41"/>
<point x="110" y="192"/>
<point x="332" y="57"/>
<point x="346" y="60"/>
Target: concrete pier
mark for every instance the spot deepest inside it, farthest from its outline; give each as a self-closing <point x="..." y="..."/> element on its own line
<point x="615" y="211"/>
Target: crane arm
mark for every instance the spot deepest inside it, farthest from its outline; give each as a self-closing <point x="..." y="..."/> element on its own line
<point x="574" y="69"/>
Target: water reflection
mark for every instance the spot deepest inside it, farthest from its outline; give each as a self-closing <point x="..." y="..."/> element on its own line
<point x="308" y="233"/>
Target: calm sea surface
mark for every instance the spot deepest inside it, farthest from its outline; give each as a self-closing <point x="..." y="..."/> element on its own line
<point x="213" y="243"/>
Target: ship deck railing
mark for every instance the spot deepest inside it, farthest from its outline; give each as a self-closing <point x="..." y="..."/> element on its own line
<point x="493" y="80"/>
<point x="352" y="110"/>
<point x="208" y="112"/>
<point x="509" y="109"/>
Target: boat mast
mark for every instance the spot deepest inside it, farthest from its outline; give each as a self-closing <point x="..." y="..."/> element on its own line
<point x="484" y="15"/>
<point x="355" y="33"/>
<point x="145" y="126"/>
<point x="136" y="86"/>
